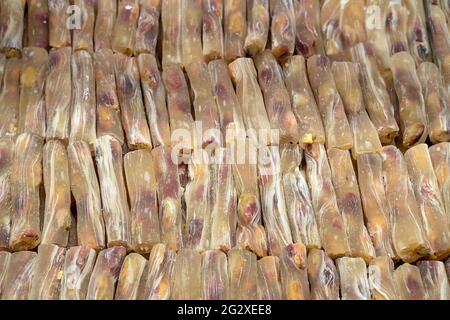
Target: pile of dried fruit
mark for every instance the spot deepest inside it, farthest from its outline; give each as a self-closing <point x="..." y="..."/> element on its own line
<point x="224" y="149"/>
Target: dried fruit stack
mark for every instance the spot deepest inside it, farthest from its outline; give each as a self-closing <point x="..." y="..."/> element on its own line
<point x="224" y="149"/>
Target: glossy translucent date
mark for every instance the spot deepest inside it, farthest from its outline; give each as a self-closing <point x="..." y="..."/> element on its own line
<point x="349" y="203"/>
<point x="282" y="28"/>
<point x="182" y="31"/>
<point x="5" y="257"/>
<point x="108" y="109"/>
<point x="374" y="200"/>
<point x="82" y="121"/>
<point x="444" y="5"/>
<point x="273" y="201"/>
<point x="169" y="197"/>
<point x="116" y="213"/>
<point x="197" y="232"/>
<point x="258" y="25"/>
<point x="242" y="269"/>
<point x="86" y="192"/>
<point x="377" y="37"/>
<point x="47" y="273"/>
<point x="440" y="35"/>
<point x="104" y="24"/>
<point x="330" y="17"/>
<point x="250" y="233"/>
<point x="78" y="265"/>
<point x="413" y="117"/>
<point x="374" y="89"/>
<point x="440" y="157"/>
<point x="293" y="272"/>
<point x="58" y="93"/>
<point x="397" y="27"/>
<point x="142" y="190"/>
<point x="148" y="27"/>
<point x="244" y="76"/>
<point x="179" y="107"/>
<point x="231" y="120"/>
<point x="131" y="104"/>
<point x="205" y="108"/>
<point x="155" y="100"/>
<point x="224" y="206"/>
<point x="124" y="32"/>
<point x="156" y="284"/>
<point x="186" y="281"/>
<point x="26" y="179"/>
<point x="323" y="276"/>
<point x="268" y="280"/>
<point x="343" y="25"/>
<point x="299" y="207"/>
<point x="434" y="279"/>
<point x="83" y="37"/>
<point x="215" y="279"/>
<point x="352" y="23"/>
<point x="429" y="199"/>
<point x="308" y="36"/>
<point x="59" y="34"/>
<point x="353" y="278"/>
<point x="9" y="98"/>
<point x="235" y="29"/>
<point x="191" y="31"/>
<point x="212" y="29"/>
<point x="6" y="205"/>
<point x="337" y="128"/>
<point x="103" y="281"/>
<point x="134" y="269"/>
<point x="437" y="102"/>
<point x="409" y="283"/>
<point x="11" y="33"/>
<point x="381" y="279"/>
<point x="37" y="27"/>
<point x="276" y="98"/>
<point x="304" y="105"/>
<point x="19" y="275"/>
<point x="171" y="32"/>
<point x="331" y="224"/>
<point x="408" y="235"/>
<point x="57" y="215"/>
<point x="417" y="31"/>
<point x="365" y="135"/>
<point x="32" y="98"/>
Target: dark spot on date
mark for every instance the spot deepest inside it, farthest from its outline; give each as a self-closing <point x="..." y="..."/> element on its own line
<point x="351" y="202"/>
<point x="398" y="47"/>
<point x="195" y="231"/>
<point x="337" y="224"/>
<point x="183" y="106"/>
<point x="173" y="81"/>
<point x="126" y="86"/>
<point x="107" y="99"/>
<point x="53" y="60"/>
<point x="322" y="61"/>
<point x="208" y="24"/>
<point x="303" y="48"/>
<point x="152" y="80"/>
<point x="414" y="287"/>
<point x="265" y="76"/>
<point x="220" y="91"/>
<point x="329" y="276"/>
